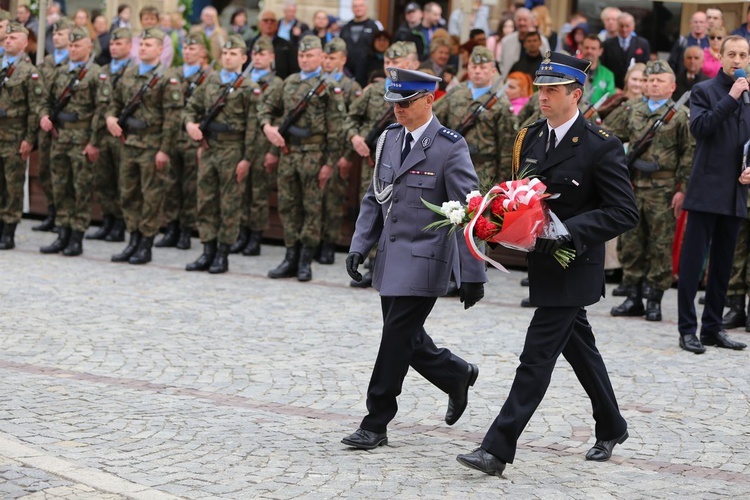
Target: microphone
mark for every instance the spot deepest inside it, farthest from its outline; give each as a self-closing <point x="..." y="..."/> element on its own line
<point x="740" y="73"/>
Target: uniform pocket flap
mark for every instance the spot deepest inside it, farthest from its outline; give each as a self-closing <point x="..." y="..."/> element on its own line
<point x="436" y="252"/>
<point x="421" y="181"/>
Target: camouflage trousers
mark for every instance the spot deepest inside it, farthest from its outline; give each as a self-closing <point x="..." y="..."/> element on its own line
<point x="141" y="191"/>
<point x="13" y="175"/>
<point x="180" y="180"/>
<point x="45" y="175"/>
<point x="332" y="209"/>
<point x="646" y="250"/>
<point x="488" y="173"/>
<point x="739" y="281"/>
<point x="300" y="197"/>
<point x="106" y="176"/>
<point x="219" y="193"/>
<point x="72" y="185"/>
<point x="255" y="201"/>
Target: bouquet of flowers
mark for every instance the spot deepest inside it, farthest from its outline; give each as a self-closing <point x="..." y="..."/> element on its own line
<point x="512" y="214"/>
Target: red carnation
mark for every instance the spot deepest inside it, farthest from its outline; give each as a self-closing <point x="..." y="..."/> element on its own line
<point x="484" y="229"/>
<point x="474" y="204"/>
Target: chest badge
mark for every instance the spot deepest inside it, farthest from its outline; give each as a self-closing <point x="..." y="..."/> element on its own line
<point x="575" y="140"/>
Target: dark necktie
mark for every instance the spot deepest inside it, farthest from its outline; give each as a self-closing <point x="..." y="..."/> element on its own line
<point x="552" y="141"/>
<point x="407" y="147"/>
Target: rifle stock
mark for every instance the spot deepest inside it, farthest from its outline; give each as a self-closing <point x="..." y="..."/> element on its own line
<point x="128" y="111"/>
<point x="219" y="104"/>
<point x="295" y="114"/>
<point x="471" y="119"/>
<point x="67" y="94"/>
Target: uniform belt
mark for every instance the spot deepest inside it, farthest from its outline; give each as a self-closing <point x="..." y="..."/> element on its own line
<point x="143" y="131"/>
<point x="659" y="174"/>
<point x="224" y="136"/>
<point x="83" y="124"/>
<point x="303" y="141"/>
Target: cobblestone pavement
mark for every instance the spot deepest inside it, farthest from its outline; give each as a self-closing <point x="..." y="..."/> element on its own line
<point x="122" y="381"/>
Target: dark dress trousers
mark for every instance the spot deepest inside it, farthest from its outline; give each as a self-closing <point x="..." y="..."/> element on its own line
<point x="596" y="203"/>
<point x="715" y="200"/>
<point x="618" y="60"/>
<point x="413" y="266"/>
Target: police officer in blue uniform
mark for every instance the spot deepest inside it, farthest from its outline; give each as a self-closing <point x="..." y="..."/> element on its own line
<point x="586" y="166"/>
<point x="415" y="158"/>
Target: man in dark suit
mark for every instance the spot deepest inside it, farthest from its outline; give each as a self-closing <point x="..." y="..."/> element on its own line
<point x="586" y="166"/>
<point x="285" y="62"/>
<point x="716" y="198"/>
<point x="691" y="71"/>
<point x="417" y="158"/>
<point x="626" y="47"/>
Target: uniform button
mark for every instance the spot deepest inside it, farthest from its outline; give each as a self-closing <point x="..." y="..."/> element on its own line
<point x="395" y="200"/>
<point x="420" y="183"/>
<point x="432" y="254"/>
<point x="393" y="238"/>
<point x="398" y="181"/>
<point x="395" y="220"/>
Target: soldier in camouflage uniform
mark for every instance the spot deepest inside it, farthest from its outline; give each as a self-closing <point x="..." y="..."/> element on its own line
<point x="334" y="194"/>
<point x="315" y="144"/>
<point x="60" y="38"/>
<point x="739" y="281"/>
<point x="181" y="175"/>
<point x="107" y="167"/>
<point x="364" y="113"/>
<point x="490" y="139"/>
<point x="660" y="180"/>
<point x="21" y="93"/>
<point x="150" y="134"/>
<point x="262" y="178"/>
<point x="76" y="133"/>
<point x="225" y="165"/>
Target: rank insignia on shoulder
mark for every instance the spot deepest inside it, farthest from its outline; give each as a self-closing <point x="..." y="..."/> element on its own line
<point x="602" y="132"/>
<point x="452" y="135"/>
<point x="35" y="76"/>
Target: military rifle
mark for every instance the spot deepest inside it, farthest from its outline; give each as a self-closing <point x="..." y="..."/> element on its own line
<point x="645" y="141"/>
<point x="197" y="82"/>
<point x="593" y="108"/>
<point x="487" y="105"/>
<point x="386" y="119"/>
<point x="291" y="118"/>
<point x="129" y="110"/>
<point x="8" y="73"/>
<point x="217" y="106"/>
<point x="67" y="95"/>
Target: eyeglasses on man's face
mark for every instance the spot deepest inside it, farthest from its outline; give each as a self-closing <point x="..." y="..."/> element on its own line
<point x="406" y="104"/>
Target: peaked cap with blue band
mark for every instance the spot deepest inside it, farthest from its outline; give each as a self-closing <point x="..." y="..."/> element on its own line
<point x="560" y="69"/>
<point x="407" y="84"/>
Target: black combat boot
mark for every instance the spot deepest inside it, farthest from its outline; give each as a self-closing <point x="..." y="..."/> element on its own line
<point x="75" y="244"/>
<point x="653" y="302"/>
<point x="171" y="235"/>
<point x="736" y="316"/>
<point x="304" y="268"/>
<point x="206" y="258"/>
<point x="7" y="240"/>
<point x="367" y="277"/>
<point x="129" y="250"/>
<point x="143" y="254"/>
<point x="183" y="243"/>
<point x="57" y="246"/>
<point x="620" y="290"/>
<point x="48" y="224"/>
<point x="107" y="222"/>
<point x="117" y="233"/>
<point x="253" y="243"/>
<point x="221" y="262"/>
<point x="288" y="267"/>
<point x="327" y="253"/>
<point x="241" y="242"/>
<point x="633" y="305"/>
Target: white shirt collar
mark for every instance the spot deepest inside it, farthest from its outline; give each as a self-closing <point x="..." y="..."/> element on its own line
<point x="417" y="133"/>
<point x="562" y="129"/>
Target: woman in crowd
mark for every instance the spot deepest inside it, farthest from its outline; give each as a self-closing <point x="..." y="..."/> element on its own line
<point x="505" y="26"/>
<point x="122" y="19"/>
<point x="520" y="88"/>
<point x="635" y="84"/>
<point x="574" y="40"/>
<point x="540" y="15"/>
<point x="320" y="28"/>
<point x="711" y="56"/>
<point x="381" y="40"/>
<point x="238" y="25"/>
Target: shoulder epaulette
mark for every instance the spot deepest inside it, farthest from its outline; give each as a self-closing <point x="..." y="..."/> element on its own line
<point x="599" y="132"/>
<point x="393" y="125"/>
<point x="452" y="135"/>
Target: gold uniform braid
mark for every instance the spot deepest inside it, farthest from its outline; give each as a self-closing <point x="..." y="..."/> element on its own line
<point x="517" y="146"/>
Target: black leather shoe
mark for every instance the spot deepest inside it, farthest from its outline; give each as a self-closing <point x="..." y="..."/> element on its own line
<point x="107" y="222"/>
<point x="602" y="450"/>
<point x="48" y="224"/>
<point x="170" y="237"/>
<point x="241" y="242"/>
<point x="183" y="242"/>
<point x="457" y="402"/>
<point x="721" y="339"/>
<point x="365" y="440"/>
<point x="484" y="461"/>
<point x="526" y="302"/>
<point x="253" y="244"/>
<point x="129" y="250"/>
<point x="143" y="254"/>
<point x="691" y="343"/>
<point x="525" y="281"/>
<point x="118" y="231"/>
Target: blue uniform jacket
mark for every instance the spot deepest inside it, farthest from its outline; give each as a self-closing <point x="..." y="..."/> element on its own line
<point x="410" y="260"/>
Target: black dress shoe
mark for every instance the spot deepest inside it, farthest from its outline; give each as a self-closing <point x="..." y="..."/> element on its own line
<point x="602" y="450"/>
<point x="484" y="461"/>
<point x="365" y="440"/>
<point x="526" y="302"/>
<point x="457" y="402"/>
<point x="721" y="339"/>
<point x="691" y="343"/>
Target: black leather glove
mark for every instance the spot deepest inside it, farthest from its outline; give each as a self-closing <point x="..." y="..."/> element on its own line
<point x="548" y="246"/>
<point x="353" y="260"/>
<point x="470" y="293"/>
